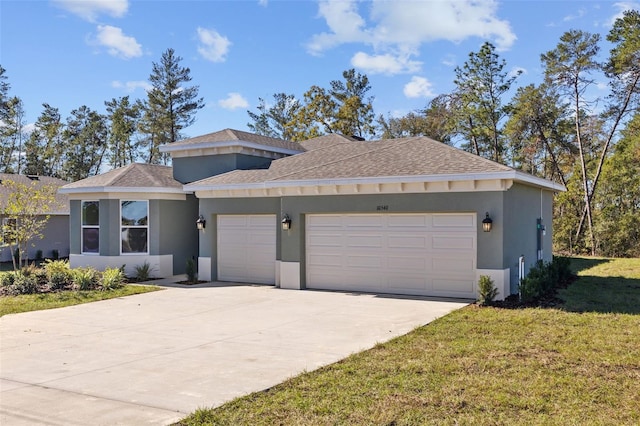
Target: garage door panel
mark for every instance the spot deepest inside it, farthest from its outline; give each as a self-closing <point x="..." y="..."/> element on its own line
<point x="363" y="261"/>
<point x="407" y="221"/>
<point x="421" y="254"/>
<point x="322" y="260"/>
<point x="363" y="221"/>
<point x="247" y="248"/>
<point x="364" y="241"/>
<point x="456" y="243"/>
<point x="407" y="241"/>
<point x="464" y="221"/>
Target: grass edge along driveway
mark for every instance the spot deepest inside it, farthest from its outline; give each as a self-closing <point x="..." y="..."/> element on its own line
<point x="579" y="364"/>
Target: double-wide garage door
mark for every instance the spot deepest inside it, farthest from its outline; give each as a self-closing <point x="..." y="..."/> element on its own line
<point x="247" y="248"/>
<point x="417" y="254"/>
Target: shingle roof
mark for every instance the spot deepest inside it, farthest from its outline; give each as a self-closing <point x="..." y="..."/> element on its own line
<point x="231" y="135"/>
<point x="326" y="141"/>
<point x="61" y="203"/>
<point x="415" y="156"/>
<point x="136" y="175"/>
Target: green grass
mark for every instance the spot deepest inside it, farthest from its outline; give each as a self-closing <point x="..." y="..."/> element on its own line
<point x="36" y="302"/>
<point x="579" y="364"/>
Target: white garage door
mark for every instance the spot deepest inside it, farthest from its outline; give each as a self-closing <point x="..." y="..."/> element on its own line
<point x="417" y="254"/>
<point x="247" y="248"/>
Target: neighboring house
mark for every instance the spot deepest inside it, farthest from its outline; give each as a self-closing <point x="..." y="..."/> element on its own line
<point x="56" y="231"/>
<point x="400" y="216"/>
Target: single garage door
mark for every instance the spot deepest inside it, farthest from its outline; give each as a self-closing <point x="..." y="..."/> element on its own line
<point x="247" y="248"/>
<point x="417" y="254"/>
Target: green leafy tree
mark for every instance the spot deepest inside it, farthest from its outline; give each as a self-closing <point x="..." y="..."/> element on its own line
<point x="539" y="133"/>
<point x="86" y="142"/>
<point x="344" y="108"/>
<point x="619" y="199"/>
<point x="434" y="121"/>
<point x="171" y="106"/>
<point x="481" y="84"/>
<point x="275" y="121"/>
<point x="122" y="117"/>
<point x="44" y="149"/>
<point x="24" y="211"/>
<point x="569" y="68"/>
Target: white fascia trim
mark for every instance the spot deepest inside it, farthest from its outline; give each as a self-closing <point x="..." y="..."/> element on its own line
<point x="105" y="189"/>
<point x="226" y="144"/>
<point x="511" y="174"/>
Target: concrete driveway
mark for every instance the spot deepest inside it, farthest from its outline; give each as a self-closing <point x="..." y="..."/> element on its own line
<point x="156" y="357"/>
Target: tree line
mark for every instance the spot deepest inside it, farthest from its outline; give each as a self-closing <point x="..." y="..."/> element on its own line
<point x="559" y="129"/>
<point x="87" y="141"/>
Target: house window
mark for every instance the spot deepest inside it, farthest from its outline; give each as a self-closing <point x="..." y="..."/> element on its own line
<point x="90" y="227"/>
<point x="134" y="219"/>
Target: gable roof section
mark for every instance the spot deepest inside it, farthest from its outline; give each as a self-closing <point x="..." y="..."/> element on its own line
<point x="135" y="177"/>
<point x="61" y="202"/>
<point x="397" y="161"/>
<point x="230" y="137"/>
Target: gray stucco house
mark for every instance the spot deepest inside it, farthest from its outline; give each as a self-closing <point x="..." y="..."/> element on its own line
<point x="56" y="231"/>
<point x="400" y="216"/>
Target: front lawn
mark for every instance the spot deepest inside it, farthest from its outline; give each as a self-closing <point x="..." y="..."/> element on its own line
<point x="36" y="302"/>
<point x="578" y="363"/>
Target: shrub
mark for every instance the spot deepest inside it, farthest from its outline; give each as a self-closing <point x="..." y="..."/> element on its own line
<point x="85" y="278"/>
<point x="7" y="278"/>
<point x="24" y="283"/>
<point x="143" y="272"/>
<point x="192" y="275"/>
<point x="544" y="278"/>
<point x="58" y="273"/>
<point x="112" y="278"/>
<point x="487" y="291"/>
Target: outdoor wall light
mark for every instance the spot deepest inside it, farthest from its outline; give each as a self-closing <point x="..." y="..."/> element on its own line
<point x="201" y="223"/>
<point x="286" y="222"/>
<point x="487" y="223"/>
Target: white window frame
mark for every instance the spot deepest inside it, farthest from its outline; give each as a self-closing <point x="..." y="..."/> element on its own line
<point x="123" y="253"/>
<point x="83" y="227"/>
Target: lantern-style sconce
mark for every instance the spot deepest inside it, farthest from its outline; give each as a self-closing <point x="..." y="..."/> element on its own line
<point x="487" y="223"/>
<point x="286" y="222"/>
<point x="201" y="223"/>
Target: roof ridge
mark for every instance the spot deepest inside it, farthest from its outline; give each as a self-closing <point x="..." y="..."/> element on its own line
<point x="378" y="149"/>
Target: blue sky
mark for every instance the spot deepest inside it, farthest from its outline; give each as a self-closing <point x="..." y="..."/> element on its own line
<point x="70" y="53"/>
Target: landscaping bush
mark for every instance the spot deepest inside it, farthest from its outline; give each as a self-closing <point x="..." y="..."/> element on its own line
<point x="544" y="278"/>
<point x="143" y="272"/>
<point x="6" y="279"/>
<point x="24" y="282"/>
<point x="85" y="278"/>
<point x="112" y="278"/>
<point x="59" y="274"/>
<point x="192" y="275"/>
<point x="487" y="291"/>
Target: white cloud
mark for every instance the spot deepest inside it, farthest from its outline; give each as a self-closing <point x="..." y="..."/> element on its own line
<point x="579" y="14"/>
<point x="117" y="43"/>
<point x="263" y="3"/>
<point x="90" y="9"/>
<point x="449" y="60"/>
<point x="621" y="7"/>
<point x="233" y="101"/>
<point x="131" y="86"/>
<point x="418" y="87"/>
<point x="384" y="64"/>
<point x="515" y="71"/>
<point x="400" y="28"/>
<point x="213" y="46"/>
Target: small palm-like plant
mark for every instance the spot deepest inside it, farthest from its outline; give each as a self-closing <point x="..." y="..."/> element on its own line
<point x="112" y="278"/>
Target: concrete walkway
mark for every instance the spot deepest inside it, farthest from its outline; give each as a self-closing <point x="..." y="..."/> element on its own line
<point x="156" y="357"/>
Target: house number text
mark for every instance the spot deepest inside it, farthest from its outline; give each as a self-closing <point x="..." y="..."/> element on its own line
<point x="382" y="208"/>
